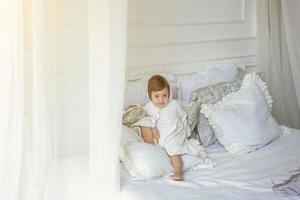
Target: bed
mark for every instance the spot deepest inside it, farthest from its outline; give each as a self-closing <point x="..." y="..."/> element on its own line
<point x="247" y="176"/>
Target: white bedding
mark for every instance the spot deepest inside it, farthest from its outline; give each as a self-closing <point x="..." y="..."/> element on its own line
<point x="244" y="177"/>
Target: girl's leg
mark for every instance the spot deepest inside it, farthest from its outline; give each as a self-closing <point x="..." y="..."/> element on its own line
<point x="177" y="165"/>
<point x="147" y="134"/>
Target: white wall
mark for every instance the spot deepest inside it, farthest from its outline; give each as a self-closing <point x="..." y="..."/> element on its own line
<point x="71" y="52"/>
<point x="160" y="32"/>
<point x="163" y="32"/>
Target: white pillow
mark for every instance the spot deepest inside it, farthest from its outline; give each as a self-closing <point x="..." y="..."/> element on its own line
<point x="146" y="161"/>
<point x="136" y="91"/>
<point x="129" y="136"/>
<point x="215" y="73"/>
<point x="242" y="121"/>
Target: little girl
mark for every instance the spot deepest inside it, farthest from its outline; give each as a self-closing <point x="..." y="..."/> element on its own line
<point x="166" y="124"/>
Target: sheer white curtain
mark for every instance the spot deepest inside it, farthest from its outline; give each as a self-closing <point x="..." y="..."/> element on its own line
<point x="27" y="102"/>
<point x="291" y="18"/>
<point x="40" y="91"/>
<point x="11" y="101"/>
<point x="277" y="57"/>
<point x="26" y="75"/>
<point x="107" y="43"/>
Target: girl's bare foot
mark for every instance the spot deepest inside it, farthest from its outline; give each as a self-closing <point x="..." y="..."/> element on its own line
<point x="177" y="176"/>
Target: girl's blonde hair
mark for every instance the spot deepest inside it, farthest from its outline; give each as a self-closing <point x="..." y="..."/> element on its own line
<point x="157" y="83"/>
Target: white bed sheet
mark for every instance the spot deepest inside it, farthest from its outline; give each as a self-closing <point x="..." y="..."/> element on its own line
<point x="247" y="177"/>
<point x="244" y="177"/>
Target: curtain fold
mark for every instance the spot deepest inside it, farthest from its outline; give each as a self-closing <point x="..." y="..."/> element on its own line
<point x="43" y="93"/>
<point x="11" y="101"/>
<point x="291" y="19"/>
<point x="274" y="59"/>
<point x="27" y="94"/>
<point x="27" y="117"/>
<point x="107" y="43"/>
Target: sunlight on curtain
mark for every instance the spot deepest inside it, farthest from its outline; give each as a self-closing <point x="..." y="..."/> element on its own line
<point x="107" y="43"/>
<point x="274" y="60"/>
<point x="26" y="98"/>
<point x="43" y="91"/>
<point x="11" y="100"/>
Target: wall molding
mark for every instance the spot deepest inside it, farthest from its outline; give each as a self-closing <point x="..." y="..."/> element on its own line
<point x="219" y="40"/>
<point x="241" y="19"/>
<point x="138" y="72"/>
<point x="159" y="25"/>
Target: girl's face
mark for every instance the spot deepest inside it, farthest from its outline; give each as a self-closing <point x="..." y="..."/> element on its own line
<point x="160" y="98"/>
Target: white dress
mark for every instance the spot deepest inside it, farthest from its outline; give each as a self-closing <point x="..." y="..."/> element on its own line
<point x="171" y="122"/>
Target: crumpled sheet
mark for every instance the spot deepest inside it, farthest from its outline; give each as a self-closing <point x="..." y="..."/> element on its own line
<point x="290" y="187"/>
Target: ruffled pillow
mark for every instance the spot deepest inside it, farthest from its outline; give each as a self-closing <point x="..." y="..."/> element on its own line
<point x="242" y="121"/>
<point x="210" y="95"/>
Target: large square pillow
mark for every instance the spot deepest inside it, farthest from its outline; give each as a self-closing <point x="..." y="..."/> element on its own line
<point x="214" y="73"/>
<point x="210" y="95"/>
<point x="147" y="162"/>
<point x="242" y="120"/>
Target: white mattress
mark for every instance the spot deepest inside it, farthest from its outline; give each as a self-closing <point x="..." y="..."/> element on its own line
<point x="244" y="177"/>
